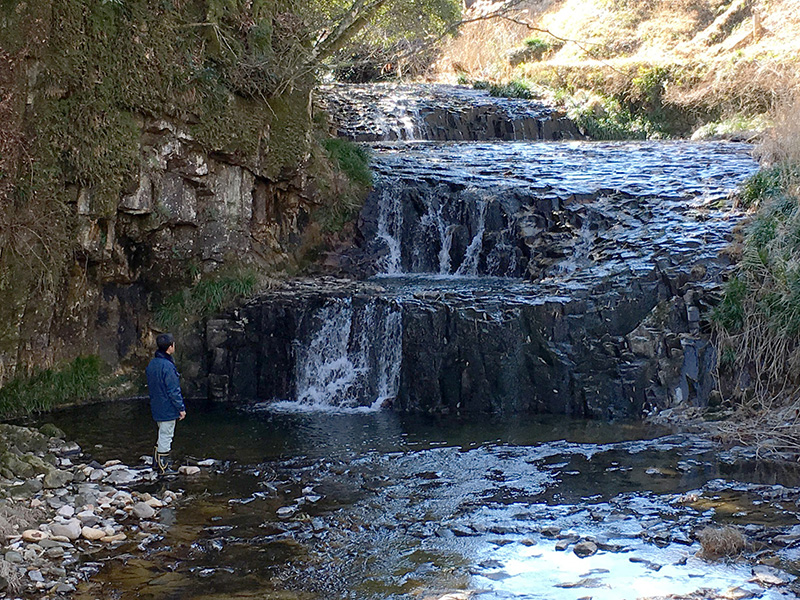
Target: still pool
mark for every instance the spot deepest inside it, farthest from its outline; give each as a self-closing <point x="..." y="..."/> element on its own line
<point x="376" y="505"/>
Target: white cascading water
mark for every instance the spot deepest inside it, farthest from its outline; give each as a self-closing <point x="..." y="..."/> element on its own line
<point x="469" y="266"/>
<point x="435" y="221"/>
<point x="352" y="359"/>
<point x="390" y="225"/>
<point x="389" y="356"/>
<point x="396" y="116"/>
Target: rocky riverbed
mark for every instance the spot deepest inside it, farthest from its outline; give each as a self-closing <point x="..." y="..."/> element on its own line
<point x="381" y="506"/>
<point x="62" y="514"/>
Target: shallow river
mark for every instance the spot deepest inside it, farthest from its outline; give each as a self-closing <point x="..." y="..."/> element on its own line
<point x="374" y="505"/>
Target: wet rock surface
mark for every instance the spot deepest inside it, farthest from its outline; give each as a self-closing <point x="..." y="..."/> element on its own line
<point x="609" y="324"/>
<point x="569" y="278"/>
<point x="375" y="112"/>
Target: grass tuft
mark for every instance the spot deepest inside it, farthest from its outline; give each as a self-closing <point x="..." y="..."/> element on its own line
<point x="516" y="88"/>
<point x="346" y="178"/>
<point x="48" y="388"/>
<point x="208" y="295"/>
<point x="352" y="159"/>
<point x="721" y="542"/>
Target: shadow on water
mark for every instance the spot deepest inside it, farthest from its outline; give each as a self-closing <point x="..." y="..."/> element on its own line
<point x="381" y="505"/>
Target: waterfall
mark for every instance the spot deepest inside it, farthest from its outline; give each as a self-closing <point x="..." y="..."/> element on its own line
<point x="427" y="241"/>
<point x="469" y="266"/>
<point x="350" y="357"/>
<point x="390" y="226"/>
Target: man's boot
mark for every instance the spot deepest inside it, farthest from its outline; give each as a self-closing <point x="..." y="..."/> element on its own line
<point x="162" y="464"/>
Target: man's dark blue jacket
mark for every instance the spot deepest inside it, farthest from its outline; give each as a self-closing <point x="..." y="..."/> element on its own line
<point x="164" y="385"/>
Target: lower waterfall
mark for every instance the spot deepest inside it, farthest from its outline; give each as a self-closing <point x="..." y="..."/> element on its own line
<point x="350" y="357"/>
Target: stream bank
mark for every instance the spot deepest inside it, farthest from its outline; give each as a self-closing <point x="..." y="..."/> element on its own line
<point x="64" y="514"/>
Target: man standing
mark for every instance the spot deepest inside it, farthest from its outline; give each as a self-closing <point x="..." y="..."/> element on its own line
<point x="166" y="400"/>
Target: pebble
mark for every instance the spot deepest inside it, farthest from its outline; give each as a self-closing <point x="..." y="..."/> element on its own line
<point x="562" y="545"/>
<point x="56" y="478"/>
<point x="143" y="511"/>
<point x="285" y="512"/>
<point x="584" y="549"/>
<point x="188" y="470"/>
<point x="36" y="575"/>
<point x="121" y="476"/>
<point x="93" y="534"/>
<point x="33" y="535"/>
<point x="70" y="530"/>
<point x="66" y="511"/>
<point x="766" y="575"/>
<point x="550" y="531"/>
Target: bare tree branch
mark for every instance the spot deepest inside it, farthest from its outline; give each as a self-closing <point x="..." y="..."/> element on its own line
<point x="349" y="25"/>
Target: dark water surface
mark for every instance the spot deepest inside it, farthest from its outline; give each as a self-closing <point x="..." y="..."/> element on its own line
<point x="370" y="505"/>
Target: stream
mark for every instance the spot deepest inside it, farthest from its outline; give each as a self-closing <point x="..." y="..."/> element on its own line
<point x="376" y="505"/>
<point x="509" y="281"/>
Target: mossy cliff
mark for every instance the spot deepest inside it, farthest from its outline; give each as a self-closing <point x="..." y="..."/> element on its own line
<point x="144" y="145"/>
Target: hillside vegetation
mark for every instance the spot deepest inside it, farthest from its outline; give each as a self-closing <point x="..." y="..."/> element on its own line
<point x="639" y="68"/>
<point x="137" y="140"/>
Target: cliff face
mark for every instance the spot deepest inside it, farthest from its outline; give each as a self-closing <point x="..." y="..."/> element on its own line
<point x="136" y="158"/>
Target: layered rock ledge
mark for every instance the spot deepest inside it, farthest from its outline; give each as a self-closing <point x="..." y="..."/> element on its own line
<point x="387" y="112"/>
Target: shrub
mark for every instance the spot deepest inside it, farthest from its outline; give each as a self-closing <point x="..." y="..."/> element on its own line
<point x="515" y="88"/>
<point x="603" y="118"/>
<point x="538" y="44"/>
<point x="729" y="313"/>
<point x="48" y="388"/>
<point x="770" y="182"/>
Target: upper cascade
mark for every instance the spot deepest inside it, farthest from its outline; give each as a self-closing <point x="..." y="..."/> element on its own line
<point x="539" y="210"/>
<point x="439" y="112"/>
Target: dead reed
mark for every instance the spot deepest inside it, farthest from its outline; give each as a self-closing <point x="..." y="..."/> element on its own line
<point x="721" y="542"/>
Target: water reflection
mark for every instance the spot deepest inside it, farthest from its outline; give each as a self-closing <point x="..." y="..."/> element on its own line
<point x="381" y="505"/>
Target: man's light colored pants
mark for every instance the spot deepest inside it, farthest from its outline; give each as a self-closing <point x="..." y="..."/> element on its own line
<point x="166" y="429"/>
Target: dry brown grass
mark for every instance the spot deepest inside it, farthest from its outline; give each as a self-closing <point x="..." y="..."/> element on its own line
<point x="721" y="542"/>
<point x="781" y="144"/>
<point x="12" y="575"/>
<point x="480" y="50"/>
<point x="14" y="518"/>
<point x="764" y="377"/>
<point x="738" y="57"/>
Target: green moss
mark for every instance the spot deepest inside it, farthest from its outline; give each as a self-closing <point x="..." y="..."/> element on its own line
<point x="46" y="389"/>
<point x="289" y="144"/>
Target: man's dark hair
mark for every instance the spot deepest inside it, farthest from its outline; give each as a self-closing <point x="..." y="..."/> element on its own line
<point x="164" y="341"/>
